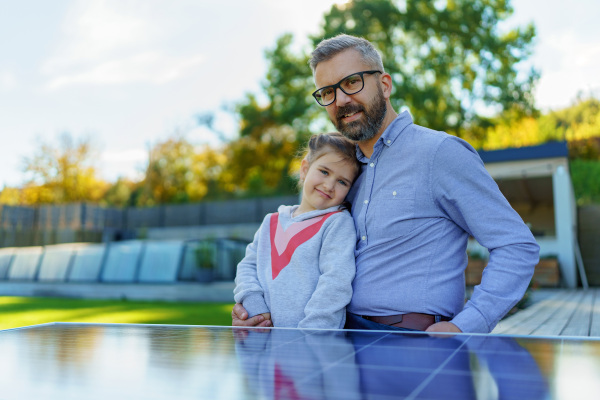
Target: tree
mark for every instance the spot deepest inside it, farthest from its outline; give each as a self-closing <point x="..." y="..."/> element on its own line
<point x="178" y="172"/>
<point x="10" y="196"/>
<point x="262" y="159"/>
<point x="261" y="166"/>
<point x="62" y="173"/>
<point x="121" y="193"/>
<point x="169" y="173"/>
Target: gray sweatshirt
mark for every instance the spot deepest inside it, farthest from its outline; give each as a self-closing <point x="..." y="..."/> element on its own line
<point x="299" y="269"/>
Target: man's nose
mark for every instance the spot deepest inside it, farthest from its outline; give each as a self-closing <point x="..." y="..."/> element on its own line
<point x="341" y="98"/>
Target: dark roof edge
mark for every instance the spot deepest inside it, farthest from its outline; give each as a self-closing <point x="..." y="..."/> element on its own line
<point x="546" y="150"/>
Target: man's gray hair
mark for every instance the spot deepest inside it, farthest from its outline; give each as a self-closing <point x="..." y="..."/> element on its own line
<point x="329" y="48"/>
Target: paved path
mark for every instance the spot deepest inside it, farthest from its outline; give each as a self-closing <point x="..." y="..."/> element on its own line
<point x="182" y="291"/>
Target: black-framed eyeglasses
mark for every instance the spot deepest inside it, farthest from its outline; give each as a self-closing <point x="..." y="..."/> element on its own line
<point x="351" y="84"/>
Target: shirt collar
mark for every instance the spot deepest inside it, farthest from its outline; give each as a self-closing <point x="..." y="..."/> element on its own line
<point x="390" y="134"/>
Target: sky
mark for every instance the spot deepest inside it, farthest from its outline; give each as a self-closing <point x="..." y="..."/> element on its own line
<point x="128" y="74"/>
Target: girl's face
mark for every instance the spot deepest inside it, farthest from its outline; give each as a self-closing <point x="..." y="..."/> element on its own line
<point x="326" y="182"/>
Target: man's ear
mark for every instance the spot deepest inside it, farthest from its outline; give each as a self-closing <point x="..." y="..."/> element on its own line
<point x="386" y="85"/>
<point x="303" y="169"/>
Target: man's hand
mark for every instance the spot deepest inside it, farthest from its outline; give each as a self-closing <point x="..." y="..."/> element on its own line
<point x="443" y="326"/>
<point x="239" y="317"/>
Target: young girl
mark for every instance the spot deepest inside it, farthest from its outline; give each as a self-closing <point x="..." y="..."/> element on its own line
<point x="298" y="271"/>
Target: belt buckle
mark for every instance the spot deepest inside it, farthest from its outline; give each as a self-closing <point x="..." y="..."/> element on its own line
<point x="398" y="319"/>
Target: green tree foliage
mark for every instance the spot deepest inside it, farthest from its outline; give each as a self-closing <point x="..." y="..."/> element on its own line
<point x="179" y="172"/>
<point x="62" y="173"/>
<point x="121" y="193"/>
<point x="261" y="160"/>
<point x="262" y="166"/>
<point x="169" y="176"/>
<point x="578" y="124"/>
<point x="585" y="175"/>
<point x="286" y="88"/>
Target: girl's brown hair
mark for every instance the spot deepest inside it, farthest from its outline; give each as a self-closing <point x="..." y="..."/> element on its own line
<point x="332" y="141"/>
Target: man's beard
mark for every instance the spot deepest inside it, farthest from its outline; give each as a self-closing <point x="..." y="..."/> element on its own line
<point x="366" y="128"/>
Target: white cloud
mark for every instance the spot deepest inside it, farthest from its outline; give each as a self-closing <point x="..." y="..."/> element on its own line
<point x="148" y="67"/>
<point x="7" y="80"/>
<point x="112" y="42"/>
<point x="125" y="155"/>
<point x="123" y="163"/>
<point x="570" y="66"/>
<point x="97" y="29"/>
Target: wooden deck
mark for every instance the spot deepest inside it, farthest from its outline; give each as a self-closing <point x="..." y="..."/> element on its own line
<point x="557" y="312"/>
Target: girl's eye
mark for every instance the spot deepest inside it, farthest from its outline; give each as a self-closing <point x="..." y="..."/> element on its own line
<point x="324" y="172"/>
<point x="343" y="183"/>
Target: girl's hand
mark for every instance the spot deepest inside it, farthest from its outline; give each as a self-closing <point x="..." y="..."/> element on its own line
<point x="267" y="316"/>
<point x="239" y="317"/>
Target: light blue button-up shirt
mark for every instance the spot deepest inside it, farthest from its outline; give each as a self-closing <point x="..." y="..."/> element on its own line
<point x="418" y="198"/>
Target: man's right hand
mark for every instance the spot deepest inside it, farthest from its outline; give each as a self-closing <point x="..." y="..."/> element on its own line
<point x="239" y="317"/>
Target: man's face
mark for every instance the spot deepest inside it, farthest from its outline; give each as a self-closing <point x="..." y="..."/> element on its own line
<point x="359" y="116"/>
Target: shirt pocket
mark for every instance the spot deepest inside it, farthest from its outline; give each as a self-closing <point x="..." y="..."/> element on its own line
<point x="393" y="211"/>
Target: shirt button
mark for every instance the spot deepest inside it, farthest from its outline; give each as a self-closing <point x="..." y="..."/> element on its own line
<point x="364" y="238"/>
<point x="372" y="164"/>
<point x="394" y="192"/>
<point x="366" y="201"/>
<point x="389" y="141"/>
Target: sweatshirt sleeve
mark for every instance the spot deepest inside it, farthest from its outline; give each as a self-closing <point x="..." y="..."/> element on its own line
<point x="248" y="290"/>
<point x="466" y="192"/>
<point x="327" y="306"/>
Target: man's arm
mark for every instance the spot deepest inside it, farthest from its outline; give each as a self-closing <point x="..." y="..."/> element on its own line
<point x="469" y="196"/>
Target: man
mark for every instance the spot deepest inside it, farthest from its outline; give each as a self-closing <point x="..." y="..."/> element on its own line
<point x="420" y="195"/>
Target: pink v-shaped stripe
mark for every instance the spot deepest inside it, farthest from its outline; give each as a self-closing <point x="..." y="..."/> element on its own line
<point x="289" y="241"/>
<point x="283" y="237"/>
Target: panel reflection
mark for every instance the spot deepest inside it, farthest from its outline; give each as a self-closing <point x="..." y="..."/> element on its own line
<point x="386" y="365"/>
<point x="120" y="361"/>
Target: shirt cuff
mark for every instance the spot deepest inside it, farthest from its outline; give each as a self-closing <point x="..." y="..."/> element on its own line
<point x="470" y="320"/>
<point x="255" y="304"/>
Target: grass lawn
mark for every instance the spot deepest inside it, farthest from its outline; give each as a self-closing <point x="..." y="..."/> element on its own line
<point x="23" y="311"/>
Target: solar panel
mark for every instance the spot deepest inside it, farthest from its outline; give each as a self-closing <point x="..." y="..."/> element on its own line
<point x="87" y="263"/>
<point x="25" y="263"/>
<point x="122" y="261"/>
<point x="6" y="256"/>
<point x="55" y="262"/>
<point x="160" y="261"/>
<point x="123" y="361"/>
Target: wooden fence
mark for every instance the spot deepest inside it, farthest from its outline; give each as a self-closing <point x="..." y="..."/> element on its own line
<point x="44" y="225"/>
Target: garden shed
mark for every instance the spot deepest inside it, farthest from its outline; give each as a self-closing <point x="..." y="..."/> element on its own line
<point x="537" y="183"/>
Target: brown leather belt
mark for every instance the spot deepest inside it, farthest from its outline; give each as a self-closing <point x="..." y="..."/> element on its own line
<point x="410" y="320"/>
